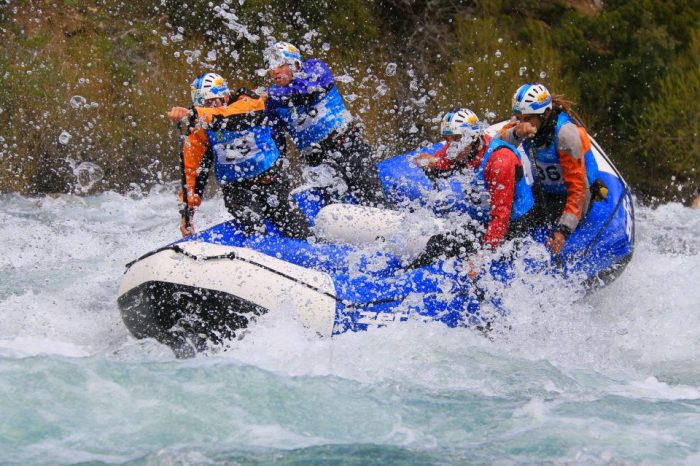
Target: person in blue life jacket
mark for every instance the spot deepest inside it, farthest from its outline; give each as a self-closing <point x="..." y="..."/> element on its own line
<point x="557" y="142"/>
<point x="499" y="194"/>
<point x="304" y="101"/>
<point x="231" y="132"/>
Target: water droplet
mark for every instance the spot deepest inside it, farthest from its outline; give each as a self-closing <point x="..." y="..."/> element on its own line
<point x="413" y="129"/>
<point x="390" y="69"/>
<point x="326" y="46"/>
<point x="497" y="72"/>
<point x="87" y="174"/>
<point x="470" y="69"/>
<point x="77" y="101"/>
<point x="344" y="78"/>
<point x="64" y="138"/>
<point x="498" y="54"/>
<point x="211" y="55"/>
<point x="543" y="75"/>
<point x="522" y="70"/>
<point x="381" y="89"/>
<point x="500" y="40"/>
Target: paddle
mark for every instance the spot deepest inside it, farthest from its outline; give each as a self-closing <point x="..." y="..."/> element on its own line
<point x="186" y="211"/>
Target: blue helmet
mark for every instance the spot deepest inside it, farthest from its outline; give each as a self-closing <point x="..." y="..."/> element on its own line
<point x="281" y="53"/>
<point x="208" y="86"/>
<point x="461" y="121"/>
<point x="531" y="99"/>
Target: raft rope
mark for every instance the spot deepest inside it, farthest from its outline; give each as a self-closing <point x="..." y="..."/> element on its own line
<point x="230" y="256"/>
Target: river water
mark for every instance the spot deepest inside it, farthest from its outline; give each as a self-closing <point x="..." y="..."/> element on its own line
<point x="612" y="377"/>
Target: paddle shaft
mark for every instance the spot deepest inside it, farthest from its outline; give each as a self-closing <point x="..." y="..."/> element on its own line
<point x="186" y="211"/>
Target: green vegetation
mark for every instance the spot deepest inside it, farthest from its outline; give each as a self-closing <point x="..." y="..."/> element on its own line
<point x="633" y="67"/>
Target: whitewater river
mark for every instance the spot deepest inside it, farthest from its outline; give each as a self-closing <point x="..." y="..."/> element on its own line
<point x="608" y="378"/>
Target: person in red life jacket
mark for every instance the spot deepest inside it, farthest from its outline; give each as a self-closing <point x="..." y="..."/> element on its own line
<point x="232" y="134"/>
<point x="695" y="204"/>
<point x="496" y="175"/>
<point x="556" y="141"/>
<point x="305" y="103"/>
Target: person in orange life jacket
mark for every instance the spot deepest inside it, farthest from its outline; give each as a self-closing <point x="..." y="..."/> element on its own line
<point x="305" y="102"/>
<point x="231" y="132"/>
<point x="496" y="174"/>
<point x="567" y="173"/>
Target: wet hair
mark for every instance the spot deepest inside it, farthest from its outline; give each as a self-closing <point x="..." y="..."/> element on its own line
<point x="561" y="104"/>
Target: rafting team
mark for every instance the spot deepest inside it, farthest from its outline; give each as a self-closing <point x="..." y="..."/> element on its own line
<point x="242" y="136"/>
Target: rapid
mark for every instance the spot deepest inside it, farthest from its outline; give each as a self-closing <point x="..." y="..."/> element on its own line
<point x="608" y="377"/>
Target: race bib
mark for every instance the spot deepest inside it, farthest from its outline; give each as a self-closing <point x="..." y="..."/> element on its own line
<point x="549" y="173"/>
<point x="238" y="150"/>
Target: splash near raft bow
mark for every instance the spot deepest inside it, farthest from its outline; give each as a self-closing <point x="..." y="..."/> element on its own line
<point x="356" y="273"/>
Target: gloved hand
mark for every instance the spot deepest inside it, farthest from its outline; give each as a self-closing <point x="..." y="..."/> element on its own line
<point x="557" y="241"/>
<point x="184" y="229"/>
<point x="525" y="130"/>
<point x="425" y="161"/>
<point x="475" y="266"/>
<point x="177" y="114"/>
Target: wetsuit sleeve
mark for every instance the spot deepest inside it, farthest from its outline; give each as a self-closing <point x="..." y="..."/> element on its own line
<point x="499" y="173"/>
<point x="204" y="116"/>
<point x="507" y="133"/>
<point x="277" y="129"/>
<point x="314" y="78"/>
<point x="194" y="149"/>
<point x="572" y="145"/>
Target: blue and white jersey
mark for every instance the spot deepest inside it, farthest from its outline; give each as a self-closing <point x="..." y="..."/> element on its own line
<point x="550" y="172"/>
<point x="244" y="154"/>
<point x="310" y="108"/>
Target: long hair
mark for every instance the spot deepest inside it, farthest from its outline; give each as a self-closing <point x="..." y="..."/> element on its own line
<point x="559" y="102"/>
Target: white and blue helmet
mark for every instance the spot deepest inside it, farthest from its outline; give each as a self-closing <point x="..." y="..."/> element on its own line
<point x="281" y="53"/>
<point x="461" y="121"/>
<point x="531" y="99"/>
<point x="208" y="86"/>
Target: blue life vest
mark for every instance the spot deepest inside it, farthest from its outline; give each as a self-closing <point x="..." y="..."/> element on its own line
<point x="313" y="121"/>
<point x="478" y="199"/>
<point x="549" y="170"/>
<point x="243" y="153"/>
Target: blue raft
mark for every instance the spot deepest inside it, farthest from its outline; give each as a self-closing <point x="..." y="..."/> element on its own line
<point x="205" y="289"/>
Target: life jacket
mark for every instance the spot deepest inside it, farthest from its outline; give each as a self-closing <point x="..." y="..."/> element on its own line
<point x="477" y="198"/>
<point x="311" y="122"/>
<point x="546" y="158"/>
<point x="240" y="139"/>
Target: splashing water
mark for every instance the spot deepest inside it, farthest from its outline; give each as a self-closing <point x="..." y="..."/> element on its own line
<point x="87" y="174"/>
<point x="605" y="378"/>
<point x="78" y="102"/>
<point x="64" y="137"/>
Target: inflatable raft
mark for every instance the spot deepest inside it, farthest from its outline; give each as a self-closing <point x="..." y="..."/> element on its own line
<point x="357" y="272"/>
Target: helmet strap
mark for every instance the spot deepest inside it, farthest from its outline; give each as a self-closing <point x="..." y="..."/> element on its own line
<point x="475" y="147"/>
<point x="545" y="134"/>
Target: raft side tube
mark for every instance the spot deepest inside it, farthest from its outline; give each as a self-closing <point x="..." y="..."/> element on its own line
<point x="196" y="281"/>
<point x="393" y="231"/>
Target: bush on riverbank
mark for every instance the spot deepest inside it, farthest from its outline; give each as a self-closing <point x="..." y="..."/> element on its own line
<point x="86" y="84"/>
